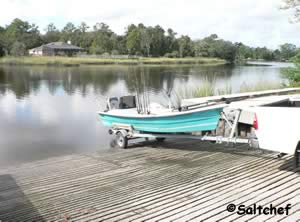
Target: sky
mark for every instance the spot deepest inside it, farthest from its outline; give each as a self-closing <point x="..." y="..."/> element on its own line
<point x="253" y="22"/>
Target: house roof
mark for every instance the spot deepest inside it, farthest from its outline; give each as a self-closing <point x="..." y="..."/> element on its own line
<point x="58" y="45"/>
<point x="61" y="45"/>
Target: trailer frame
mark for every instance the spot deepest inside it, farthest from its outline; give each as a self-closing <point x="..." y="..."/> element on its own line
<point x="125" y="132"/>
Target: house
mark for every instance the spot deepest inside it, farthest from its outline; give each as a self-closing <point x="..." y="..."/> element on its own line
<point x="55" y="48"/>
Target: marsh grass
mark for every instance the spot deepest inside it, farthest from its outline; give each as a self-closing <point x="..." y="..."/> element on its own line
<point x="73" y="61"/>
<point x="227" y="89"/>
<point x="207" y="88"/>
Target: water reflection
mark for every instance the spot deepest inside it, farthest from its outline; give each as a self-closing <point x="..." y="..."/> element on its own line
<point x="50" y="111"/>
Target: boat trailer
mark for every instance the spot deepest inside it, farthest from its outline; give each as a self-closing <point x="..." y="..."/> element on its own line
<point x="123" y="133"/>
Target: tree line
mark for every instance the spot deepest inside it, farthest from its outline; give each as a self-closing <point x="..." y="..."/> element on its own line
<point x="138" y="40"/>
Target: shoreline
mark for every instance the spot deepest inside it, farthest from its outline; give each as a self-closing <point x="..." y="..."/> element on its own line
<point x="77" y="61"/>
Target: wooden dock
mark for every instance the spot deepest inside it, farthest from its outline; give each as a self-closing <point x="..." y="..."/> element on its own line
<point x="173" y="181"/>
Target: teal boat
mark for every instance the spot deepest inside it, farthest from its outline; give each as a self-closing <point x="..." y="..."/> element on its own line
<point x="159" y="119"/>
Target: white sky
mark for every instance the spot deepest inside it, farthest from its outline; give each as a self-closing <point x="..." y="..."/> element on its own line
<point x="253" y="22"/>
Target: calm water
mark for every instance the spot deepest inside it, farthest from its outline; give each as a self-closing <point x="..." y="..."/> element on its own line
<point x="51" y="111"/>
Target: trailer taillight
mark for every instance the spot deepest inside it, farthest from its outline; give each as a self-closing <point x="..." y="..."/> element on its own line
<point x="255" y="122"/>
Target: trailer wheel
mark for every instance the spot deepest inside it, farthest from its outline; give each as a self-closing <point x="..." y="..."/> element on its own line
<point x="121" y="140"/>
<point x="160" y="139"/>
<point x="297" y="156"/>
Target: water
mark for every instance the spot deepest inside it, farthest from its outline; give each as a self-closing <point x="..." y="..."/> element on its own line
<point x="52" y="111"/>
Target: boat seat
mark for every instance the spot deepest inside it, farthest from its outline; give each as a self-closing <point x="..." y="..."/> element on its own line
<point x="113" y="103"/>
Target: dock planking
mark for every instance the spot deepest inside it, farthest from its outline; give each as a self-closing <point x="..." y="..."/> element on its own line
<point x="178" y="180"/>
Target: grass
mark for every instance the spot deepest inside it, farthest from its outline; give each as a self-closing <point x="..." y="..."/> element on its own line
<point x="75" y="61"/>
<point x="225" y="91"/>
<point x="207" y="88"/>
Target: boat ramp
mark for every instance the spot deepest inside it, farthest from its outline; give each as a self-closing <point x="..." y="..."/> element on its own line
<point x="178" y="180"/>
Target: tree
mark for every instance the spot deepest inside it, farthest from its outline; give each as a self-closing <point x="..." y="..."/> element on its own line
<point x="2" y="50"/>
<point x="213" y="46"/>
<point x="171" y="43"/>
<point x="21" y="31"/>
<point x="157" y="35"/>
<point x="293" y="73"/>
<point x="288" y="51"/>
<point x="225" y="50"/>
<point x="18" y="49"/>
<point x="67" y="33"/>
<point x="243" y="52"/>
<point x="277" y="55"/>
<point x="2" y="46"/>
<point x="52" y="34"/>
<point x="185" y="46"/>
<point x="133" y="40"/>
<point x="119" y="44"/>
<point x="207" y="46"/>
<point x="201" y="48"/>
<point x="293" y="4"/>
<point x="145" y="40"/>
<point x="83" y="27"/>
<point x="103" y="39"/>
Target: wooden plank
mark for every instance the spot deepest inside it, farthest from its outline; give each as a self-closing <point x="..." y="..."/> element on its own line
<point x="183" y="179"/>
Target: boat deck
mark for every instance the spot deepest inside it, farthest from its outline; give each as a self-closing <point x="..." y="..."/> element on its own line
<point x="177" y="180"/>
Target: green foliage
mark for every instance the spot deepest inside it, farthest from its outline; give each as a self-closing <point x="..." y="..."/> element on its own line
<point x="288" y="51"/>
<point x="133" y="43"/>
<point x="2" y="51"/>
<point x="293" y="73"/>
<point x="139" y="40"/>
<point x="52" y="34"/>
<point x="18" y="49"/>
<point x="171" y="43"/>
<point x="103" y="39"/>
<point x="119" y="59"/>
<point x="207" y="88"/>
<point x="185" y="46"/>
<point x="212" y="46"/>
<point x="174" y="54"/>
<point x="225" y="90"/>
<point x="157" y="40"/>
<point x="20" y="31"/>
<point x="68" y="32"/>
<point x="2" y="46"/>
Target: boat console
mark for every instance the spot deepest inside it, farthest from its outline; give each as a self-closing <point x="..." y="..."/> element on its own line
<point x="124" y="102"/>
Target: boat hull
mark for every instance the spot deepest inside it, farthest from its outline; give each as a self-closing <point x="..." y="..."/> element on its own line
<point x="189" y="122"/>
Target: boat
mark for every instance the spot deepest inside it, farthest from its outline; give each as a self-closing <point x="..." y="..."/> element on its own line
<point x="159" y="119"/>
<point x="197" y="114"/>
